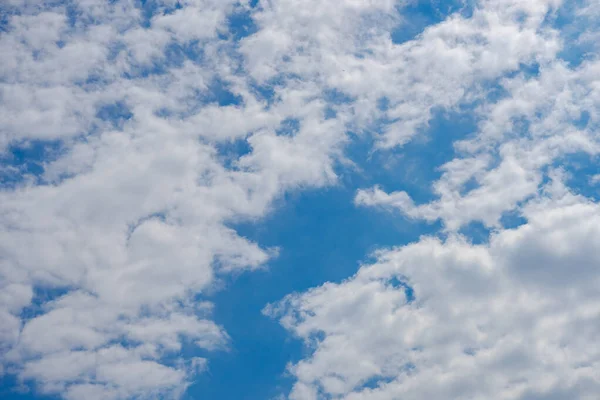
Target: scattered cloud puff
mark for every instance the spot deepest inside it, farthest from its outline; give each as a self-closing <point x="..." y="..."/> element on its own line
<point x="119" y="127"/>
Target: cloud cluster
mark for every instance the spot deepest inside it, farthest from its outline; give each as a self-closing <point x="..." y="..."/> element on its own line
<point x="116" y="220"/>
<point x="134" y="133"/>
<point x="515" y="318"/>
<point x="541" y="122"/>
<point x="347" y="47"/>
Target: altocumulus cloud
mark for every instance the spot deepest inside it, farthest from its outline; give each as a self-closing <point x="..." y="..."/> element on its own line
<point x="121" y="125"/>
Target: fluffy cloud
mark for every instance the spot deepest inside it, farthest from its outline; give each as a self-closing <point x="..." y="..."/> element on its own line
<point x="135" y="114"/>
<point x="125" y="221"/>
<point x="542" y="120"/>
<point x="515" y="318"/>
<point x="354" y="54"/>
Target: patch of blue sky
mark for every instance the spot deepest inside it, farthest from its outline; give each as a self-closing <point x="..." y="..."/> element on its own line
<point x="71" y="13"/>
<point x="493" y="91"/>
<point x="409" y="291"/>
<point x="241" y="24"/>
<point x="116" y="114"/>
<point x="376" y="382"/>
<point x="579" y="171"/>
<point x="253" y="368"/>
<point x="92" y="82"/>
<point x="13" y="389"/>
<point x="265" y="91"/>
<point x="150" y="8"/>
<point x="172" y="58"/>
<point x="25" y="161"/>
<point x="476" y="232"/>
<point x="288" y="127"/>
<point x="512" y="219"/>
<point x="416" y="165"/>
<point x="527" y="70"/>
<point x="581" y="168"/>
<point x="468" y="186"/>
<point x="220" y="93"/>
<point x="321" y="236"/>
<point x="582" y="121"/>
<point x="5" y="16"/>
<point x="229" y="152"/>
<point x="268" y="91"/>
<point x="383" y="104"/>
<point x="41" y="296"/>
<point x="418" y="15"/>
<point x="571" y="25"/>
<point x="177" y="53"/>
<point x="336" y="97"/>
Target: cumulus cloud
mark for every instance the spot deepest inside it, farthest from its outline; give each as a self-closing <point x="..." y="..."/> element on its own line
<point x="117" y="222"/>
<point x="515" y="318"/>
<point x="125" y="220"/>
<point x="542" y="120"/>
<point x="353" y="53"/>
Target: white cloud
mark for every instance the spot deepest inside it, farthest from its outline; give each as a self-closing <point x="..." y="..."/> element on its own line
<point x="128" y="221"/>
<point x="130" y="217"/>
<point x="519" y="136"/>
<point x="512" y="319"/>
<point x="515" y="317"/>
<point x="353" y="53"/>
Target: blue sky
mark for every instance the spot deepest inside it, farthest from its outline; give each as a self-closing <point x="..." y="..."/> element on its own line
<point x="218" y="200"/>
